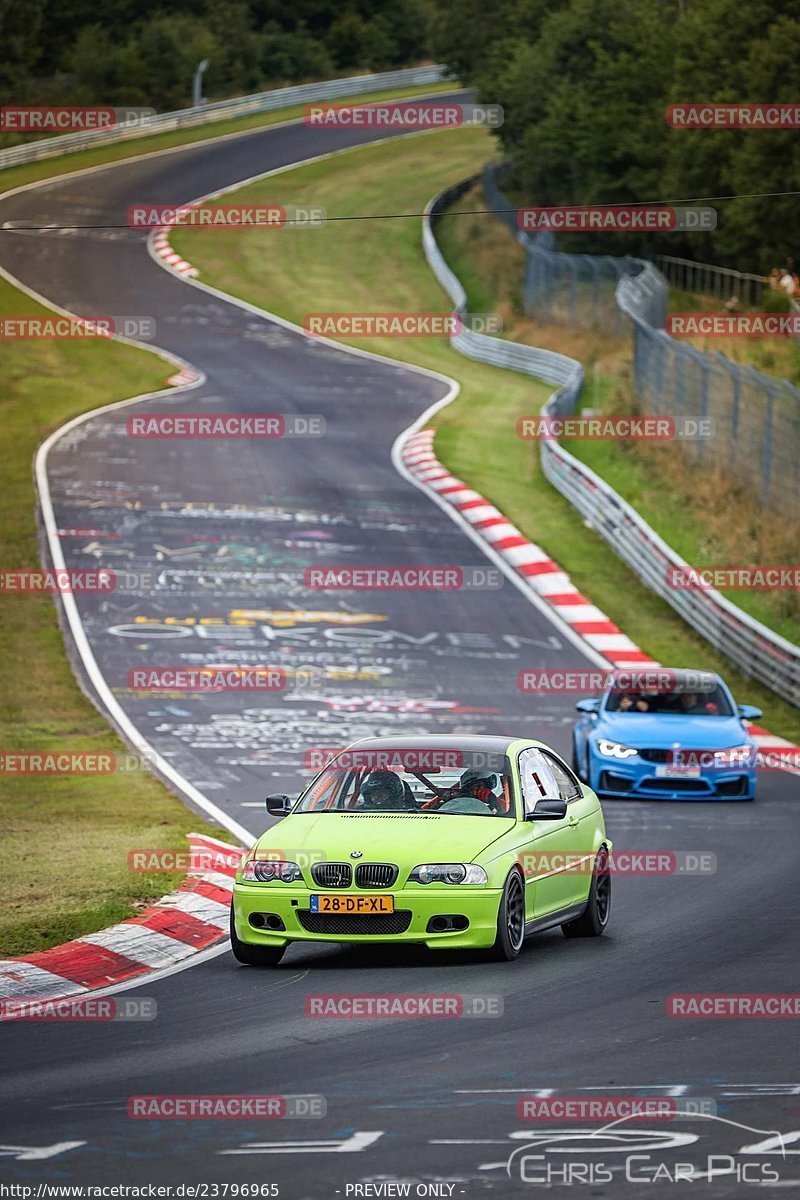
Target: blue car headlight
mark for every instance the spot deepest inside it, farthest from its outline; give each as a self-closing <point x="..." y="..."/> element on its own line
<point x="448" y="873"/>
<point x="742" y="758"/>
<point x="611" y="749"/>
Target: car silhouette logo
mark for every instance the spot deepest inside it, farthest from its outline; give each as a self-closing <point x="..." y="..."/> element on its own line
<point x="356" y="853"/>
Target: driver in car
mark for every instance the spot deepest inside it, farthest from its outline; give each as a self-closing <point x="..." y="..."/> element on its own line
<point x="384" y="791"/>
<point x="474" y="785"/>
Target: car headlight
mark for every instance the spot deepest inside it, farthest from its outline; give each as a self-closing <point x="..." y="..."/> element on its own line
<point x="270" y="870"/>
<point x="448" y="873"/>
<point x="736" y="756"/>
<point x="615" y="749"/>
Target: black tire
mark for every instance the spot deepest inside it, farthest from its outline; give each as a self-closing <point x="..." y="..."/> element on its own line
<point x="254" y="956"/>
<point x="593" y="920"/>
<point x="510" y="920"/>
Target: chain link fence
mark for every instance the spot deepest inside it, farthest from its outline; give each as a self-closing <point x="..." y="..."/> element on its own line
<point x="756" y="417"/>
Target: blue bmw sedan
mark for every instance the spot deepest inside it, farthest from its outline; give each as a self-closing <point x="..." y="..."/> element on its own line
<point x="686" y="741"/>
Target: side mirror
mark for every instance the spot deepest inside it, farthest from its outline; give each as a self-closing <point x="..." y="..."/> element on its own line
<point x="278" y="806"/>
<point x="548" y="810"/>
<point x="749" y="712"/>
<point x="588" y="706"/>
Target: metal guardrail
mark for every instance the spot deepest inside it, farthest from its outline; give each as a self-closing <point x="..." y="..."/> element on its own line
<point x="710" y="280"/>
<point x="241" y="106"/>
<point x="751" y="646"/>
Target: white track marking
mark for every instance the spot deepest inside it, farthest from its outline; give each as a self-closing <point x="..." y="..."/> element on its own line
<point x="36" y="1153"/>
<point x="359" y="1140"/>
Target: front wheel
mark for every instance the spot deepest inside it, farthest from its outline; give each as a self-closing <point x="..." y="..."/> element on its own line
<point x="254" y="956"/>
<point x="594" y="918"/>
<point x="510" y="920"/>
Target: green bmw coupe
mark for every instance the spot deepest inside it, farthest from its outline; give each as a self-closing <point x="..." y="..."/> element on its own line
<point x="456" y="843"/>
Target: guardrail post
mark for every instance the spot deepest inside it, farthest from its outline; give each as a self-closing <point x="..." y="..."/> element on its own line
<point x="705" y="368"/>
<point x="736" y="396"/>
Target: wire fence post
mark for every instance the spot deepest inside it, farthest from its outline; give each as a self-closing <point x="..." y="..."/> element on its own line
<point x="766" y="469"/>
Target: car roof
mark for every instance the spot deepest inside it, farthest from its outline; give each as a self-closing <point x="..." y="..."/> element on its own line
<point x="488" y="743"/>
<point x="442" y="741"/>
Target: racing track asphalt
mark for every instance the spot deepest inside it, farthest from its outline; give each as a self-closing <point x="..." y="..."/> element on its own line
<point x="576" y="1015"/>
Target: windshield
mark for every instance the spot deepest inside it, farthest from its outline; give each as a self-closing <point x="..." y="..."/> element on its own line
<point x="465" y="789"/>
<point x="676" y="702"/>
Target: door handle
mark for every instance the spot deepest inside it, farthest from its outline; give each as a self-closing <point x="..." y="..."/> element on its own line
<point x="572" y="819"/>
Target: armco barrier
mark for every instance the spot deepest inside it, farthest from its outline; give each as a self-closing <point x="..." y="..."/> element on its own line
<point x="755" y="649"/>
<point x="241" y="106"/>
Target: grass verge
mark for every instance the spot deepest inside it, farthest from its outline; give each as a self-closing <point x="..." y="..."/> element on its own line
<point x="378" y="265"/>
<point x="65" y="838"/>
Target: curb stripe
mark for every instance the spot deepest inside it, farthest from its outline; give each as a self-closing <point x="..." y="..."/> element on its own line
<point x="178" y="925"/>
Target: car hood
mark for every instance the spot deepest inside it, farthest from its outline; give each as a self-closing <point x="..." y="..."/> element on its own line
<point x="385" y="837"/>
<point x="693" y="733"/>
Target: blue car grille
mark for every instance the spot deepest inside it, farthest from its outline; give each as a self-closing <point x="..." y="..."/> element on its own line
<point x="655" y="755"/>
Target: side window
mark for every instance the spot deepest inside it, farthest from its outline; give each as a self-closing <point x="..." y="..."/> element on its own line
<point x="568" y="787"/>
<point x="539" y="781"/>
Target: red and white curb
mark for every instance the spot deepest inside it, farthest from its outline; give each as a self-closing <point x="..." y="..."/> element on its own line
<point x="161" y="246"/>
<point x="163" y="250"/>
<point x="178" y="925"/>
<point x="541" y="574"/>
<point x="184" y="377"/>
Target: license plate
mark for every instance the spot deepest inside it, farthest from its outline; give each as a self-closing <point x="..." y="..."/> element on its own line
<point x="677" y="772"/>
<point x="352" y="904"/>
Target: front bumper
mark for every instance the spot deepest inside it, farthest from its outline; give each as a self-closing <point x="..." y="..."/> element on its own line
<point x="629" y="779"/>
<point x="477" y="906"/>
